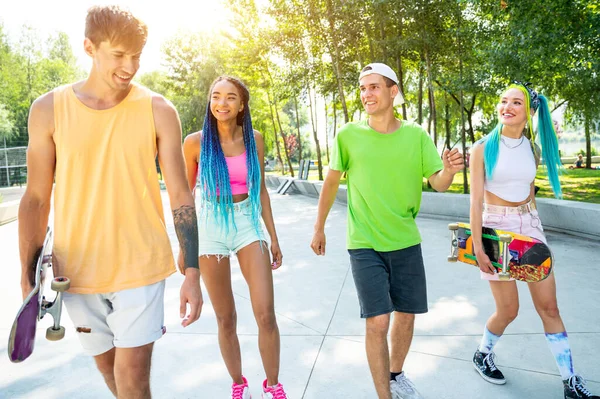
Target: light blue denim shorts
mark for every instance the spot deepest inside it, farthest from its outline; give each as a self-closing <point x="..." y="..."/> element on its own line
<point x="215" y="239"/>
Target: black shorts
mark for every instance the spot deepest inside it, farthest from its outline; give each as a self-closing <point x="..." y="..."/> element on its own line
<point x="389" y="281"/>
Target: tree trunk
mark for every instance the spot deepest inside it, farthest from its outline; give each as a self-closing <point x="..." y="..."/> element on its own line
<point x="334" y="117"/>
<point x="588" y="141"/>
<point x="284" y="137"/>
<point x="315" y="136"/>
<point x="470" y="119"/>
<point x="276" y="135"/>
<point x="462" y="107"/>
<point x="420" y="96"/>
<point x="429" y="115"/>
<point x="326" y="130"/>
<point x="335" y="58"/>
<point x="400" y="68"/>
<point x="298" y="130"/>
<point x="468" y="111"/>
<point x="432" y="113"/>
<point x="368" y="33"/>
<point x="401" y="83"/>
<point x="447" y="120"/>
<point x="383" y="37"/>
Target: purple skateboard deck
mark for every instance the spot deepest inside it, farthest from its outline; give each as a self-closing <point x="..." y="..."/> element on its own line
<point x="24" y="331"/>
<point x="22" y="334"/>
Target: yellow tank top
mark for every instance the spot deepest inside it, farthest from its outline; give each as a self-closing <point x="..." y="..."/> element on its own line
<point x="109" y="226"/>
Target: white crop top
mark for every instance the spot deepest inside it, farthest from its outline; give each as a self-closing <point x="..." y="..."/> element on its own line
<point x="514" y="172"/>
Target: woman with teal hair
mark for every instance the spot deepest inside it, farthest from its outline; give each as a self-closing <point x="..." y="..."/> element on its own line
<point x="503" y="169"/>
<point x="226" y="160"/>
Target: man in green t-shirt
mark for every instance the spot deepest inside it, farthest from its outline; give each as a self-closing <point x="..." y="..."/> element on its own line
<point x="385" y="160"/>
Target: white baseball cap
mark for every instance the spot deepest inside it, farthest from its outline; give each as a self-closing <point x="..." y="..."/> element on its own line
<point x="380" y="69"/>
<point x="387" y="72"/>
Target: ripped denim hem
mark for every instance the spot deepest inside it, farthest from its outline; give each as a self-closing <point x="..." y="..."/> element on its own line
<point x="218" y="256"/>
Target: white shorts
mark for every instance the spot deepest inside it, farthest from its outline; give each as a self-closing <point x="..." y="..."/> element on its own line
<point x="123" y="319"/>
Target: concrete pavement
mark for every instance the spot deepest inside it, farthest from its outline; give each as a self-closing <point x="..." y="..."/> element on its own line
<point x="322" y="336"/>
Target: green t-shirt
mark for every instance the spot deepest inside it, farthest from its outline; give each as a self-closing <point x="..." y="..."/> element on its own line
<point x="384" y="181"/>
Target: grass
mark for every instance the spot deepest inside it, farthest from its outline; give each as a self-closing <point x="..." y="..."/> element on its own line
<point x="577" y="184"/>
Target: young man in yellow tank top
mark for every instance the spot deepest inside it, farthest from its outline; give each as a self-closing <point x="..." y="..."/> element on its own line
<point x="97" y="140"/>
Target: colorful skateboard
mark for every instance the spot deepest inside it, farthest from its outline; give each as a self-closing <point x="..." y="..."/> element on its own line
<point x="35" y="306"/>
<point x="513" y="255"/>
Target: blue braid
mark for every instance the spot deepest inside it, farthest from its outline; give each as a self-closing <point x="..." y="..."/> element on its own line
<point x="254" y="175"/>
<point x="214" y="174"/>
<point x="549" y="143"/>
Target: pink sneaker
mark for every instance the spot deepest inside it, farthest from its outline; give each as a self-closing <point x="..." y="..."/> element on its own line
<point x="275" y="392"/>
<point x="240" y="391"/>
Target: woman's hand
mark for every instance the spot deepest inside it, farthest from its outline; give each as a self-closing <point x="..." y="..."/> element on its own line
<point x="277" y="256"/>
<point x="484" y="262"/>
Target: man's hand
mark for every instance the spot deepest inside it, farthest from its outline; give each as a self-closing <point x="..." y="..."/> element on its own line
<point x="318" y="242"/>
<point x="190" y="294"/>
<point x="453" y="161"/>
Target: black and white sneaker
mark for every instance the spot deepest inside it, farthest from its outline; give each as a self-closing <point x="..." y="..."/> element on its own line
<point x="575" y="389"/>
<point x="485" y="366"/>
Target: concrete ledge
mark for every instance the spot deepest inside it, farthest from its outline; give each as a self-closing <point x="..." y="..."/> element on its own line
<point x="570" y="217"/>
<point x="9" y="211"/>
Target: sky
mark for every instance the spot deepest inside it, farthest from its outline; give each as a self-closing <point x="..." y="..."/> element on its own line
<point x="164" y="20"/>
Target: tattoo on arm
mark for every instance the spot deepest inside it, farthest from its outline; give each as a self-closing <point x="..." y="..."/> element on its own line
<point x="186" y="226"/>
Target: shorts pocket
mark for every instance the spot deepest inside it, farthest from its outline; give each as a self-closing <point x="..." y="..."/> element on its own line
<point x="492" y="220"/>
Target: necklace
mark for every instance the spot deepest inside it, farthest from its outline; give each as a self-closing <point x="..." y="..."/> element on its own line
<point x="509" y="147"/>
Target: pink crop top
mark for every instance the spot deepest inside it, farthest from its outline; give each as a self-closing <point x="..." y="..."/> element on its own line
<point x="238" y="173"/>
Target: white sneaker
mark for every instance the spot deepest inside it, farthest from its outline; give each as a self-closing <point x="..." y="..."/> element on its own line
<point x="403" y="388"/>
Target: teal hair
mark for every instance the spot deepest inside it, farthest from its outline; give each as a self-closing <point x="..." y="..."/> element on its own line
<point x="214" y="175"/>
<point x="546" y="132"/>
<point x="491" y="150"/>
<point x="549" y="143"/>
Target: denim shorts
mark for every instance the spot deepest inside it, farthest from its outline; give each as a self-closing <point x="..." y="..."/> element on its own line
<point x="215" y="239"/>
<point x="526" y="223"/>
<point x="389" y="281"/>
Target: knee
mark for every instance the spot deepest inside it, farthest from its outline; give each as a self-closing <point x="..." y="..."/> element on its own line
<point x="378" y="324"/>
<point x="404" y="319"/>
<point x="549" y="311"/>
<point x="133" y="378"/>
<point x="508" y="313"/>
<point x="266" y="320"/>
<point x="139" y="375"/>
<point x="227" y="322"/>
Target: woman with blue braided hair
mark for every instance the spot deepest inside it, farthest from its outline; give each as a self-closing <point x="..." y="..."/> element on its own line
<point x="503" y="169"/>
<point x="226" y="159"/>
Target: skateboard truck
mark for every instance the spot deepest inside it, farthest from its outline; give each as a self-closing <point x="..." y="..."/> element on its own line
<point x="453" y="257"/>
<point x="56" y="331"/>
<point x="504" y="239"/>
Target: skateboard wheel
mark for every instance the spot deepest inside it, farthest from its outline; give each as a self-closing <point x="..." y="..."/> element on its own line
<point x="452" y="258"/>
<point x="55" y="335"/>
<point x="505" y="238"/>
<point x="60" y="284"/>
<point x="453" y="226"/>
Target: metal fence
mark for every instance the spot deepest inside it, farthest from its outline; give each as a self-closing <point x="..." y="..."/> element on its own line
<point x="13" y="166"/>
